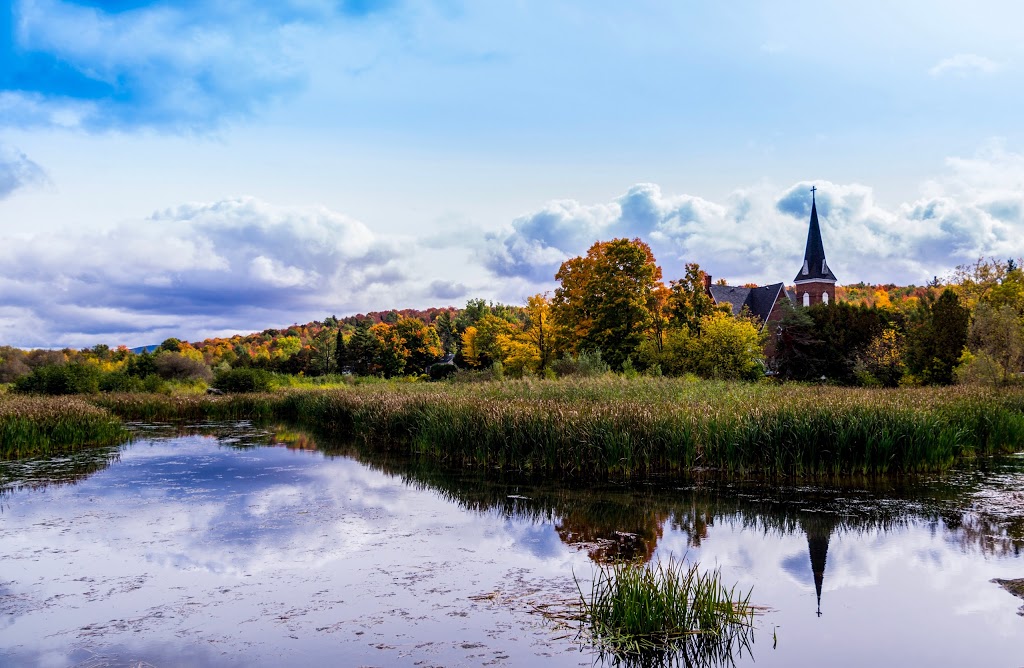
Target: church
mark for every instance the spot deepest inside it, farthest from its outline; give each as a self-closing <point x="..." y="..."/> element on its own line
<point x="814" y="283"/>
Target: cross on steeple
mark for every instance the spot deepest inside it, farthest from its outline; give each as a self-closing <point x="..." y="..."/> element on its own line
<point x="813" y="189"/>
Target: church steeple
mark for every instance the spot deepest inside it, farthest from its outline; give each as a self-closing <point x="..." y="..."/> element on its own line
<point x="815" y="279"/>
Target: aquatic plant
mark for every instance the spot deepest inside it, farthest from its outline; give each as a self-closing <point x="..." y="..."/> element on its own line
<point x="616" y="429"/>
<point x="31" y="426"/>
<point x="652" y="614"/>
<point x="610" y="427"/>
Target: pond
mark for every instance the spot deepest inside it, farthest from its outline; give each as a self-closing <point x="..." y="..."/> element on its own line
<point x="233" y="545"/>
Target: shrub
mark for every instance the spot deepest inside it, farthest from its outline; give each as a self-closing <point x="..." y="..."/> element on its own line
<point x="584" y="365"/>
<point x="442" y="371"/>
<point x="245" y="379"/>
<point x="60" y="379"/>
<point x="120" y="381"/>
<point x="175" y="366"/>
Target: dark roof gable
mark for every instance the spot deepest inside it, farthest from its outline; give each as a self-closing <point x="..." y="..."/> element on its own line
<point x="759" y="301"/>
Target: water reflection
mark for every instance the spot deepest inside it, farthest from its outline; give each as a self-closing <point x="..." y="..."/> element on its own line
<point x="979" y="509"/>
<point x="213" y="528"/>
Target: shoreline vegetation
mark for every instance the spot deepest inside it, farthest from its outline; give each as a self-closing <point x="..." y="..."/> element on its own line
<point x="606" y="427"/>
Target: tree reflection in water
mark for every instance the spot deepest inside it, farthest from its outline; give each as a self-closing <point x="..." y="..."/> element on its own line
<point x="978" y="510"/>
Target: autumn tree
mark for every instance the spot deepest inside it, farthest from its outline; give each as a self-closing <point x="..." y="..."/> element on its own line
<point x="689" y="300"/>
<point x="603" y="302"/>
<point x="422" y="345"/>
<point x="340" y="352"/>
<point x="983" y="281"/>
<point x="480" y="347"/>
<point x="392" y="355"/>
<point x="882" y="360"/>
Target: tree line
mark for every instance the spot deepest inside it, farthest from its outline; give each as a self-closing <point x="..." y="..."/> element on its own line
<point x="611" y="311"/>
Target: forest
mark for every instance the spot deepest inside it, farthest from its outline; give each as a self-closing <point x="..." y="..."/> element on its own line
<point x="611" y="313"/>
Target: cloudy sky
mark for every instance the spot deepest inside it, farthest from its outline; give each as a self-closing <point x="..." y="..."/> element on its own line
<point x="188" y="168"/>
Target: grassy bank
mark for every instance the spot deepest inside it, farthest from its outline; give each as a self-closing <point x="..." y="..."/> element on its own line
<point x="40" y="426"/>
<point x="619" y="428"/>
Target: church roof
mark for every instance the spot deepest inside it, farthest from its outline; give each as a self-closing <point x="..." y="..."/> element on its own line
<point x="759" y="301"/>
<point x="815" y="267"/>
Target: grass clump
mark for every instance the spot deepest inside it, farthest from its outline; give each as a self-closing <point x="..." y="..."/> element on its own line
<point x="34" y="426"/>
<point x="648" y="614"/>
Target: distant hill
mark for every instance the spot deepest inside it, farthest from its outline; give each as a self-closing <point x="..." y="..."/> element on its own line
<point x="145" y="349"/>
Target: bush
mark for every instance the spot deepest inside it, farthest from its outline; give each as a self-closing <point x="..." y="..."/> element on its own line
<point x="441" y="371"/>
<point x="585" y="364"/>
<point x="175" y="366"/>
<point x="245" y="379"/>
<point x="120" y="381"/>
<point x="60" y="379"/>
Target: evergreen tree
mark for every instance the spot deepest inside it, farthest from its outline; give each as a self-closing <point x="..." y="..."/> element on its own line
<point x="936" y="336"/>
<point x="363" y="349"/>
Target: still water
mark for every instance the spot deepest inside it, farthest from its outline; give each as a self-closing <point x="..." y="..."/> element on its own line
<point x="242" y="546"/>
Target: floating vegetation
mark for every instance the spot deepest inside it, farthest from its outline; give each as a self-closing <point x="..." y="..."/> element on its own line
<point x="671" y="613"/>
<point x="35" y="426"/>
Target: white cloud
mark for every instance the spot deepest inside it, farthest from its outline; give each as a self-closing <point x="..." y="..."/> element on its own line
<point x="964" y="65"/>
<point x="243" y="264"/>
<point x="975" y="209"/>
<point x="233" y="264"/>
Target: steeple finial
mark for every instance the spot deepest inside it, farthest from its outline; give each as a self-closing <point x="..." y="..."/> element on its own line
<point x="813" y="190"/>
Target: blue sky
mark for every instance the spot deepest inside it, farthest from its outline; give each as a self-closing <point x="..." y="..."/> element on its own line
<point x="196" y="168"/>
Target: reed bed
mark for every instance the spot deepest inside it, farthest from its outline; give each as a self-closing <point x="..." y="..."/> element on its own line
<point x="614" y="428"/>
<point x="666" y="613"/>
<point x="674" y="427"/>
<point x="34" y="426"/>
<point x="194" y="408"/>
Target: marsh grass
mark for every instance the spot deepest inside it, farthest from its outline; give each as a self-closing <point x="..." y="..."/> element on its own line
<point x="616" y="428"/>
<point x="596" y="428"/>
<point x="671" y="612"/>
<point x="34" y="426"/>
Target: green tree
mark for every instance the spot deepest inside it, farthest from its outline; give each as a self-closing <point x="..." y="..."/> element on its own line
<point x="728" y="347"/>
<point x="936" y="336"/>
<point x="171" y="345"/>
<point x="446" y="333"/>
<point x="363" y="350"/>
<point x="796" y="349"/>
<point x="689" y="301"/>
<point x="996" y="346"/>
<point x="603" y="303"/>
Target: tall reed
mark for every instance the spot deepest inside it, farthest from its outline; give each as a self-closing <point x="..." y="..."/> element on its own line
<point x="643" y="611"/>
<point x="32" y="426"/>
<point x="614" y="428"/>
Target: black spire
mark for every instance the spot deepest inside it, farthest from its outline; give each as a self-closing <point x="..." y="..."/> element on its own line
<point x="815" y="266"/>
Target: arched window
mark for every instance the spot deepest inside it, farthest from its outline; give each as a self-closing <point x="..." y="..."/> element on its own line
<point x="807" y="299"/>
<point x="824" y="297"/>
<point x="823" y="267"/>
<point x="806" y="268"/>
